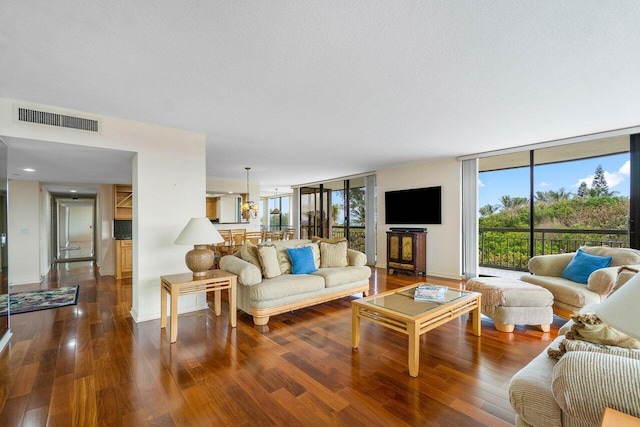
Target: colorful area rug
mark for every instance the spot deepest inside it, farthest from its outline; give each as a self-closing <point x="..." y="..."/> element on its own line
<point x="24" y="302"/>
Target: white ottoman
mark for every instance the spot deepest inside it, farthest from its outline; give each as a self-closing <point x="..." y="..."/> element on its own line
<point x="510" y="302"/>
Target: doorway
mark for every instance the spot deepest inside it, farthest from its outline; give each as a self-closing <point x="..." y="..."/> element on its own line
<point x="73" y="228"/>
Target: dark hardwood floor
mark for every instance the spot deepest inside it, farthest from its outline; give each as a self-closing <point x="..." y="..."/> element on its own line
<point x="91" y="365"/>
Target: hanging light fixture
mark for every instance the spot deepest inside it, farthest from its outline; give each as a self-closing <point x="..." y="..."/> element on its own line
<point x="249" y="208"/>
<point x="275" y="211"/>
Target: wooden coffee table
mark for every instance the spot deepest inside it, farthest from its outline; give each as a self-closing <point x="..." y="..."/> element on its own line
<point x="397" y="310"/>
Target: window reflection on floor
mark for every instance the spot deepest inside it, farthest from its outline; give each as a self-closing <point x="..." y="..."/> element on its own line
<point x="76" y="249"/>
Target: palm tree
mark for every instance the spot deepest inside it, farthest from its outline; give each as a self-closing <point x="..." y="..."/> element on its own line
<point x="488" y="209"/>
<point x="509" y="202"/>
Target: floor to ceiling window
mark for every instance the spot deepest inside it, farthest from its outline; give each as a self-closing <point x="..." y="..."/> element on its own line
<point x="279" y="212"/>
<point x="338" y="209"/>
<point x="553" y="200"/>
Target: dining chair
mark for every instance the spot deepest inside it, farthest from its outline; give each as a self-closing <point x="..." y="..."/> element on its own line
<point x="253" y="236"/>
<point x="226" y="235"/>
<point x="238" y="236"/>
<point x="289" y="233"/>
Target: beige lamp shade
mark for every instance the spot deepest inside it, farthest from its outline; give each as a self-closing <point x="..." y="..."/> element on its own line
<point x="621" y="310"/>
<point x="199" y="232"/>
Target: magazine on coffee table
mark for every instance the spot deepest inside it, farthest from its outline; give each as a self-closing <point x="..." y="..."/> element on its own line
<point x="431" y="293"/>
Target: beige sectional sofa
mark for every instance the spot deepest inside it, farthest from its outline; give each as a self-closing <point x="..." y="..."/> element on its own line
<point x="575" y="390"/>
<point x="263" y="291"/>
<point x="570" y="296"/>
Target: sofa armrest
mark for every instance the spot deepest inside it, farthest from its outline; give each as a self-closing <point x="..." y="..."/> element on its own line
<point x="602" y="280"/>
<point x="248" y="274"/>
<point x="356" y="257"/>
<point x="550" y="265"/>
<point x="625" y="272"/>
<point x="585" y="383"/>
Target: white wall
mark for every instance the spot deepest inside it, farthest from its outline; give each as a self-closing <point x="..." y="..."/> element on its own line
<point x="23" y="235"/>
<point x="45" y="231"/>
<point x="169" y="181"/>
<point x="227" y="208"/>
<point x="444" y="247"/>
<point x="80" y="223"/>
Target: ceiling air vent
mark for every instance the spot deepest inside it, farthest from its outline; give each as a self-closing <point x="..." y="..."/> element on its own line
<point x="59" y="120"/>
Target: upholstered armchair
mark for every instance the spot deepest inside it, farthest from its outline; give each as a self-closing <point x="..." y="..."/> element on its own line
<point x="571" y="296"/>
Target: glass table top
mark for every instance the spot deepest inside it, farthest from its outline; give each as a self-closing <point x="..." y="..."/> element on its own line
<point x="402" y="301"/>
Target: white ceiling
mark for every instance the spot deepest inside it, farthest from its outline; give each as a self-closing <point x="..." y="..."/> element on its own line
<point x="303" y="91"/>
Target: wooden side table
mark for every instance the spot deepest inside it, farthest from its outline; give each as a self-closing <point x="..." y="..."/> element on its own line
<point x="175" y="285"/>
<point x="614" y="418"/>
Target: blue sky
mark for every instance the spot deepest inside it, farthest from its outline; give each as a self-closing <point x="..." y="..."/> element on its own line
<point x="567" y="175"/>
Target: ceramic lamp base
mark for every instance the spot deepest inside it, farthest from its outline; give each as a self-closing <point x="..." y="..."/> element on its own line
<point x="199" y="260"/>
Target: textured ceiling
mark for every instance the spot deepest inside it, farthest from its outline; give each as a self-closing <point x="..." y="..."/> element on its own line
<point x="304" y="91"/>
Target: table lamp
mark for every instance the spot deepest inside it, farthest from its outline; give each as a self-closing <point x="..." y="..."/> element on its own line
<point x="621" y="310"/>
<point x="199" y="232"/>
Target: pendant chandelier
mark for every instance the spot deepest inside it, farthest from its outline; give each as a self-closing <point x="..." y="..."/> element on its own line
<point x="249" y="208"/>
<point x="275" y="211"/>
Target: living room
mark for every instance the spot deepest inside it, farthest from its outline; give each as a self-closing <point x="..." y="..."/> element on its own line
<point x="491" y="86"/>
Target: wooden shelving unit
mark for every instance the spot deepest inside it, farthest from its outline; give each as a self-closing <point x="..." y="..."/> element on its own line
<point x="123" y="209"/>
<point x="123" y="201"/>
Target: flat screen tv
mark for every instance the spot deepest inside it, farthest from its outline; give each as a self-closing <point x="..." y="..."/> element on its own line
<point x="413" y="206"/>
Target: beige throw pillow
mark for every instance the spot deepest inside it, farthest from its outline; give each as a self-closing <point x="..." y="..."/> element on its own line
<point x="316" y="239"/>
<point x="315" y="248"/>
<point x="283" y="259"/>
<point x="269" y="261"/>
<point x="333" y="254"/>
<point x="249" y="253"/>
<point x="588" y="332"/>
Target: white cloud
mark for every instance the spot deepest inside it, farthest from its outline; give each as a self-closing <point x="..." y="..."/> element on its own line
<point x="586" y="180"/>
<point x="480" y="183"/>
<point x="544" y="184"/>
<point x="613" y="178"/>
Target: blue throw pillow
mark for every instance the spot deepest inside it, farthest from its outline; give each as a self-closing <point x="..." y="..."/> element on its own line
<point x="301" y="260"/>
<point x="583" y="264"/>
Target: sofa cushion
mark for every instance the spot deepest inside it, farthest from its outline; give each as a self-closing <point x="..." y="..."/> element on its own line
<point x="564" y="290"/>
<point x="583" y="264"/>
<point x="269" y="261"/>
<point x="341" y="275"/>
<point x="316" y="254"/>
<point x="584" y="383"/>
<point x="316" y="239"/>
<point x="249" y="252"/>
<point x="333" y="254"/>
<point x="285" y="285"/>
<point x="301" y="260"/>
<point x="284" y="262"/>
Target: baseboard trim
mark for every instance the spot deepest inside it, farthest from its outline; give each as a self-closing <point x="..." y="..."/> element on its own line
<point x="5" y="340"/>
<point x="156" y="315"/>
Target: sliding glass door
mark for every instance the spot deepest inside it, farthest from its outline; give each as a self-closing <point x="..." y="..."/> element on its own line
<point x="335" y="209"/>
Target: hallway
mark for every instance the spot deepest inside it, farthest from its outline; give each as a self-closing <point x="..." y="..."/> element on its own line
<point x="76" y="249"/>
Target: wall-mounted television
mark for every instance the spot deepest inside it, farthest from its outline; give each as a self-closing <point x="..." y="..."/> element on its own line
<point x="413" y="206"/>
